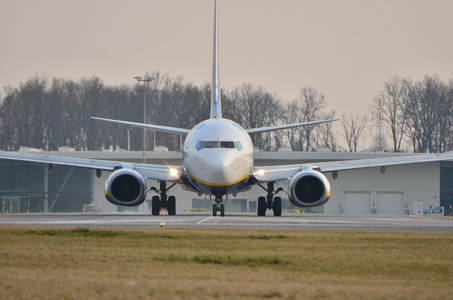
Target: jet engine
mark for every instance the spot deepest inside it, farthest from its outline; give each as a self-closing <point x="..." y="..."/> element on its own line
<point x="126" y="187"/>
<point x="309" y="188"/>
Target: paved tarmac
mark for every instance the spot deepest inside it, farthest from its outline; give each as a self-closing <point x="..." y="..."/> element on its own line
<point x="289" y="221"/>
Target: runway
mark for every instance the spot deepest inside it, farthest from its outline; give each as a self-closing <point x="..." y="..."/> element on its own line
<point x="293" y="221"/>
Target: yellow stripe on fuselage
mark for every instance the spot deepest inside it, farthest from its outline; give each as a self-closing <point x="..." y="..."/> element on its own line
<point x="219" y="184"/>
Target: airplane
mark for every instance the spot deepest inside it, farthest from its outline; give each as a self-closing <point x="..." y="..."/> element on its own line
<point x="218" y="161"/>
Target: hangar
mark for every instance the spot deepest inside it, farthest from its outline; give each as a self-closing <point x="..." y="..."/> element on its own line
<point x="403" y="189"/>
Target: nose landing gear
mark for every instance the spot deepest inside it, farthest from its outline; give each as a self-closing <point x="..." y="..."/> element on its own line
<point x="218" y="207"/>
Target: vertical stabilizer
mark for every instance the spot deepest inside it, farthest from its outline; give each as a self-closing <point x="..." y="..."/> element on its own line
<point x="216" y="108"/>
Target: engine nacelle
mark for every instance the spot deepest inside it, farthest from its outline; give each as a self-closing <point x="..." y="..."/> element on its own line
<point x="309" y="188"/>
<point x="126" y="187"/>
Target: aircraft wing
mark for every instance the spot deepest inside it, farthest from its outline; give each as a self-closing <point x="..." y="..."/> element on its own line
<point x="279" y="127"/>
<point x="156" y="172"/>
<point x="148" y="126"/>
<point x="283" y="172"/>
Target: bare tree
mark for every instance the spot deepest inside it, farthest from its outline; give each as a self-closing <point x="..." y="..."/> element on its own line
<point x="324" y="135"/>
<point x="428" y="109"/>
<point x="307" y="107"/>
<point x="449" y="119"/>
<point x="353" y="126"/>
<point x="254" y="107"/>
<point x="389" y="107"/>
<point x="23" y="109"/>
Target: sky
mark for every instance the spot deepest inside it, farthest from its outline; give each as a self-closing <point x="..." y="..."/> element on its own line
<point x="344" y="49"/>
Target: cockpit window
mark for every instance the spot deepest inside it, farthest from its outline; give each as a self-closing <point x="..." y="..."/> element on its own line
<point x="227" y="144"/>
<point x="219" y="144"/>
<point x="211" y="144"/>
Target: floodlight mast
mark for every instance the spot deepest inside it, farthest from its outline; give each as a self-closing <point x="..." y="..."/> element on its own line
<point x="145" y="80"/>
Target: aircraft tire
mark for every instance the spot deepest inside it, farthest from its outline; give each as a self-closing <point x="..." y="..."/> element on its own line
<point x="222" y="210"/>
<point x="262" y="206"/>
<point x="277" y="206"/>
<point x="214" y="210"/>
<point x="155" y="206"/>
<point x="171" y="206"/>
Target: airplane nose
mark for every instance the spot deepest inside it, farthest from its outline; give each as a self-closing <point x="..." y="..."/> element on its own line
<point x="221" y="168"/>
<point x="220" y="162"/>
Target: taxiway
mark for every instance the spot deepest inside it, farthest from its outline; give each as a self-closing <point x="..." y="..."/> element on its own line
<point x="296" y="221"/>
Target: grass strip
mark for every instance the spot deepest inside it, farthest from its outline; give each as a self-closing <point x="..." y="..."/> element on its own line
<point x="193" y="263"/>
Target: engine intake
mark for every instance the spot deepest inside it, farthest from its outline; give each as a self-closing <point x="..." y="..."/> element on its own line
<point x="309" y="188"/>
<point x="125" y="187"/>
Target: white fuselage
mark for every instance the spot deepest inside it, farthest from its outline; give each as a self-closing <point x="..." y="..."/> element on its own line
<point x="218" y="157"/>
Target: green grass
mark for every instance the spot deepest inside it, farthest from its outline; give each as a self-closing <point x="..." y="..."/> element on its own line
<point x="172" y="263"/>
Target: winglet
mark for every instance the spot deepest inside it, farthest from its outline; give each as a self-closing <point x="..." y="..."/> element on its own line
<point x="216" y="108"/>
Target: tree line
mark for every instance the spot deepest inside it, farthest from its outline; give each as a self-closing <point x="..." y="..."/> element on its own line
<point x="418" y="113"/>
<point x="48" y="113"/>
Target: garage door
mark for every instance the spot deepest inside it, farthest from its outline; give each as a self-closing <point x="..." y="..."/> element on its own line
<point x="357" y="202"/>
<point x="390" y="203"/>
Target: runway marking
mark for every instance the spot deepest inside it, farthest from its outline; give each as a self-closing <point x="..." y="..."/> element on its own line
<point x="204" y="220"/>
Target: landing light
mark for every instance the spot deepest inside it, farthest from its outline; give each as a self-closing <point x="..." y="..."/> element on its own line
<point x="260" y="172"/>
<point x="174" y="172"/>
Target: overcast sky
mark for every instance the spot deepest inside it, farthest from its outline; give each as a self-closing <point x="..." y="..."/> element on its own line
<point x="345" y="49"/>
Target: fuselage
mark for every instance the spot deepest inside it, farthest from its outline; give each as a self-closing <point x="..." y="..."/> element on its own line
<point x="218" y="157"/>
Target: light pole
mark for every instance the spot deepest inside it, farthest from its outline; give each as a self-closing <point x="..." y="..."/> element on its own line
<point x="145" y="80"/>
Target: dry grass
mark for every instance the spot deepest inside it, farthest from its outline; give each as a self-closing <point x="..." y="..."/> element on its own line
<point x="82" y="263"/>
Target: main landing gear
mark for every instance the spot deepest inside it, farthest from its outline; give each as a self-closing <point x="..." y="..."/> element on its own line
<point x="163" y="202"/>
<point x="270" y="202"/>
